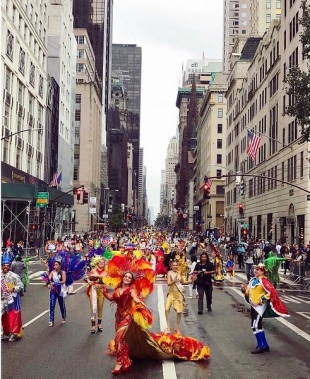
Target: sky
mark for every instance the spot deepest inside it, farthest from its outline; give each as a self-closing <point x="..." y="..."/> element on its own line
<point x="169" y="32"/>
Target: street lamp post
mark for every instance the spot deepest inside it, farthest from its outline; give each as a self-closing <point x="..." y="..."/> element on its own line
<point x="21" y="131"/>
<point x="238" y="180"/>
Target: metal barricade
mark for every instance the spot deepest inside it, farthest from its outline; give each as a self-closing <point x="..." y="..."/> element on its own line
<point x="306" y="277"/>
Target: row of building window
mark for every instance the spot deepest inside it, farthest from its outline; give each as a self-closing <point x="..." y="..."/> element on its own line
<point x="22" y="64"/>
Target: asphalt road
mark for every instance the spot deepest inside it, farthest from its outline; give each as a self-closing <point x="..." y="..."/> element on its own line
<point x="70" y="352"/>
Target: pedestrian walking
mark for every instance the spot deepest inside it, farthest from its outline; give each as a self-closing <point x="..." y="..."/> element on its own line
<point x="56" y="285"/>
<point x="241" y="252"/>
<point x="204" y="271"/>
<point x="192" y="287"/>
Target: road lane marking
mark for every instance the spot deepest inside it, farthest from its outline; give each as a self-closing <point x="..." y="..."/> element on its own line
<point x="294" y="328"/>
<point x="83" y="286"/>
<point x="36" y="318"/>
<point x="284" y="322"/>
<point x="304" y="314"/>
<point x="43" y="313"/>
<point x="36" y="274"/>
<point x="168" y="365"/>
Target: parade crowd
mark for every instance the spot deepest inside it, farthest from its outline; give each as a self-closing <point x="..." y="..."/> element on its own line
<point x="123" y="267"/>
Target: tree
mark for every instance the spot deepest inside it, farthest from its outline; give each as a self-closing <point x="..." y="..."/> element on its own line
<point x="162" y="220"/>
<point x="298" y="81"/>
<point x="116" y="221"/>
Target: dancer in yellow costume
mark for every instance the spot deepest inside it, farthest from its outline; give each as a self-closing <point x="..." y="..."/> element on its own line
<point x="183" y="266"/>
<point x="95" y="292"/>
<point x="175" y="296"/>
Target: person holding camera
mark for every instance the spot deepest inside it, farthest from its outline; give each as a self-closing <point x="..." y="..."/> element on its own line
<point x="204" y="271"/>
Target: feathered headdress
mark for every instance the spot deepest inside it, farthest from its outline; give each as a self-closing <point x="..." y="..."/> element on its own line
<point x="144" y="276"/>
<point x="6" y="258"/>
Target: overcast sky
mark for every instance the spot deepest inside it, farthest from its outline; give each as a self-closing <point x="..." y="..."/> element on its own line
<point x="169" y="32"/>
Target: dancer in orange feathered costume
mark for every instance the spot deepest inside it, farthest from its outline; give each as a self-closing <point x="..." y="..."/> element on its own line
<point x="132" y="280"/>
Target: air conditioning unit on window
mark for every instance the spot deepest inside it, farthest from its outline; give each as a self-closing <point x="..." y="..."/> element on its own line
<point x="19" y="142"/>
<point x="29" y="149"/>
<point x="39" y="156"/>
<point x="30" y="119"/>
<point x="7" y="97"/>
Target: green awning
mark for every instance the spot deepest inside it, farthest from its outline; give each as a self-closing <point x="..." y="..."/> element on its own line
<point x="22" y="191"/>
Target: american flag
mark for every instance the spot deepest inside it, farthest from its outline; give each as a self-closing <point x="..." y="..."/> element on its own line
<point x="209" y="182"/>
<point x="253" y="145"/>
<point x="54" y="182"/>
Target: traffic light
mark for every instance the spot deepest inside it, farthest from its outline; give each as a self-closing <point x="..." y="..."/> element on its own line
<point x="241" y="187"/>
<point x="41" y="216"/>
<point x="85" y="197"/>
<point x="240" y="207"/>
<point x="78" y="195"/>
<point x="34" y="227"/>
<point x="206" y="191"/>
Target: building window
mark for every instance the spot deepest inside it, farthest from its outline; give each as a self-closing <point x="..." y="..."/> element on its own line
<point x="41" y="85"/>
<point x="32" y="74"/>
<point x="9" y="45"/>
<point x="220" y="190"/>
<point x="78" y="99"/>
<point x="220" y="113"/>
<point x="219" y="158"/>
<point x="243" y="14"/>
<point x="219" y="144"/>
<point x="81" y="53"/>
<point x="236" y="23"/>
<point x="278" y="6"/>
<point x="301" y="164"/>
<point x="243" y="32"/>
<point x="243" y="23"/>
<point x="76" y="173"/>
<point x="268" y="18"/>
<point x="220" y="98"/>
<point x="77" y="115"/>
<point x="268" y="4"/>
<point x="218" y="173"/>
<point x="18" y="161"/>
<point x="80" y="67"/>
<point x="220" y="128"/>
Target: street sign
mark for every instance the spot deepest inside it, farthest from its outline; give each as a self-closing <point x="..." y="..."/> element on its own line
<point x="105" y="216"/>
<point x="42" y="199"/>
<point x="196" y="207"/>
<point x="92" y="200"/>
<point x="308" y="197"/>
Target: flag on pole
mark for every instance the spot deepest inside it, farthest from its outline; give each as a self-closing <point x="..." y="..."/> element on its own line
<point x="54" y="181"/>
<point x="253" y="145"/>
<point x="209" y="182"/>
<point x="59" y="180"/>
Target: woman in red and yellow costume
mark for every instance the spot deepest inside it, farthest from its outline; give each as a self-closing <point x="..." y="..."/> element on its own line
<point x="133" y="279"/>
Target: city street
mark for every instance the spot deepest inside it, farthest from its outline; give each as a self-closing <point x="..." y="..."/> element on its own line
<point x="70" y="351"/>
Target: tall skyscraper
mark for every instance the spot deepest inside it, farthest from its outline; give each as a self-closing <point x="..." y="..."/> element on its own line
<point x="246" y="17"/>
<point x="236" y="22"/>
<point x="127" y="63"/>
<point x="96" y="17"/>
<point x="61" y="45"/>
<point x="140" y="179"/>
